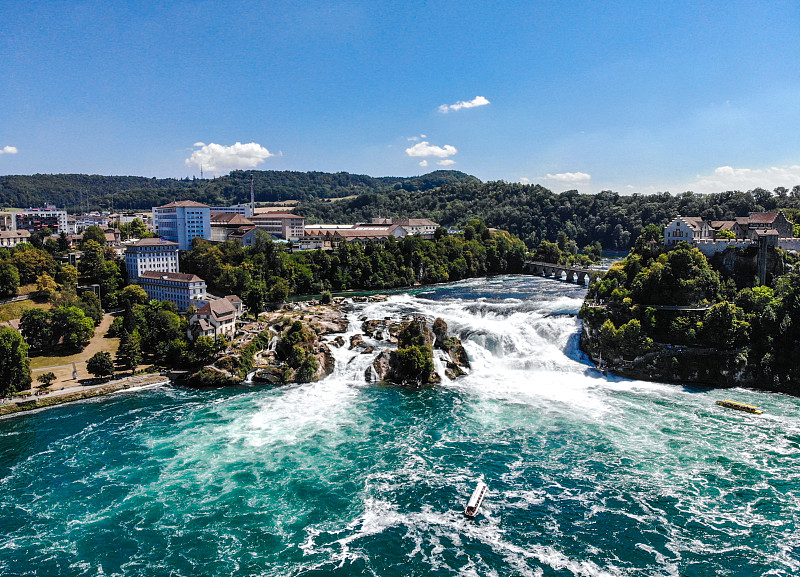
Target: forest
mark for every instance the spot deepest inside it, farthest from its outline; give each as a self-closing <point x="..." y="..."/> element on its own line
<point x="76" y="192"/>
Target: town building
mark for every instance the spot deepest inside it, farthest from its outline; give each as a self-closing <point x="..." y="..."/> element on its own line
<point x="281" y="224"/>
<point x="245" y="210"/>
<point x="150" y="254"/>
<point x="686" y="228"/>
<point x="421" y="226"/>
<point x="752" y="230"/>
<point x="224" y="222"/>
<point x="182" y="221"/>
<point x="35" y="219"/>
<point x="11" y="238"/>
<point x="215" y="318"/>
<point x="181" y="288"/>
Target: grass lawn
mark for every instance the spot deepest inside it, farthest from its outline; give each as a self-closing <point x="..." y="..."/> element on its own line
<point x="98" y="343"/>
<point x="14" y="310"/>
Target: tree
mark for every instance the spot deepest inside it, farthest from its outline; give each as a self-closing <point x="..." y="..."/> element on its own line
<point x="72" y="326"/>
<point x="91" y="307"/>
<point x="36" y="326"/>
<point x="255" y="297"/>
<point x="63" y="242"/>
<point x="203" y="350"/>
<point x="46" y="286"/>
<point x="131" y="295"/>
<point x="279" y="290"/>
<point x="725" y="234"/>
<point x="547" y="252"/>
<point x="15" y="371"/>
<point x="67" y="277"/>
<point x="129" y="354"/>
<point x="94" y="233"/>
<point x="46" y="379"/>
<point x="9" y="280"/>
<point x="101" y="364"/>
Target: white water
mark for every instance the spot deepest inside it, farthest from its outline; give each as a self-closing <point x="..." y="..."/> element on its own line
<point x="587" y="475"/>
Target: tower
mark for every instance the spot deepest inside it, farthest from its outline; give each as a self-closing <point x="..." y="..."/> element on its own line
<point x="252" y="196"/>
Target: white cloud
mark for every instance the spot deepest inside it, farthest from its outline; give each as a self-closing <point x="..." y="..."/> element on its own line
<point x="730" y="178"/>
<point x="570" y="177"/>
<point x="425" y="148"/>
<point x="447" y="162"/>
<point x="524" y="180"/>
<point x="423" y="163"/>
<point x="199" y="144"/>
<point x="477" y="101"/>
<point x="218" y="158"/>
<point x="417" y="138"/>
<point x="8" y="150"/>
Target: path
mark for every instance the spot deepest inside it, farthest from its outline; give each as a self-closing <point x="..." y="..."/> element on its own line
<point x="61" y="366"/>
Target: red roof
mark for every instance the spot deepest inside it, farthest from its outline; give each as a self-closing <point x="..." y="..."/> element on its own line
<point x="176" y="276"/>
<point x="217" y="308"/>
<point x="763" y="217"/>
<point x="187" y="203"/>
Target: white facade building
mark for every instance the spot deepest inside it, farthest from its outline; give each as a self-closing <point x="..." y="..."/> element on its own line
<point x="180" y="288"/>
<point x="688" y="228"/>
<point x="11" y="238"/>
<point x="35" y="219"/>
<point x="150" y="254"/>
<point x="182" y="221"/>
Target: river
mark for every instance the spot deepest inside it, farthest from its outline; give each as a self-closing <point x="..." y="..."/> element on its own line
<point x="587" y="475"/>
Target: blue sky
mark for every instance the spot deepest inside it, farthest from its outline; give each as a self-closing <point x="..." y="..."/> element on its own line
<point x="628" y="96"/>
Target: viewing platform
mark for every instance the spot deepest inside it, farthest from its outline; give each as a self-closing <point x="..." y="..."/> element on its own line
<point x="557" y="271"/>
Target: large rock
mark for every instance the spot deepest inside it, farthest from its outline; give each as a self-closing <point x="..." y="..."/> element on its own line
<point x="357" y="340"/>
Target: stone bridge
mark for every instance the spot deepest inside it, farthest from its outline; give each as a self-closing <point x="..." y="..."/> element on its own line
<point x="557" y="271"/>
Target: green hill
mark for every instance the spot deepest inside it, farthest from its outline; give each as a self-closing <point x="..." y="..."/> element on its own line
<point x="136" y="192"/>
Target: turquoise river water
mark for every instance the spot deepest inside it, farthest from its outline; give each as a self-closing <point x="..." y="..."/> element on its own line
<point x="587" y="475"/>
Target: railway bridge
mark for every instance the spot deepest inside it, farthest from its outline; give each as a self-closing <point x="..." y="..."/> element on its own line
<point x="557" y="271"/>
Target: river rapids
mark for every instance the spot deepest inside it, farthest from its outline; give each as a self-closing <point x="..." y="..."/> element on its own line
<point x="588" y="475"/>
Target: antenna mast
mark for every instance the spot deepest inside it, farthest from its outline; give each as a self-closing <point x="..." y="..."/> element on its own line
<point x="252" y="196"/>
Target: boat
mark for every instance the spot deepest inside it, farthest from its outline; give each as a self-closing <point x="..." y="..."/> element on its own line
<point x="475" y="501"/>
<point x="740" y="406"/>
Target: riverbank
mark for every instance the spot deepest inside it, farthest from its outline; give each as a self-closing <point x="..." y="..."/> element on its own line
<point x="78" y="392"/>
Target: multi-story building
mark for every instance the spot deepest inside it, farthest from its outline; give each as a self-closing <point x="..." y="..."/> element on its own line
<point x="11" y="238"/>
<point x="244" y="210"/>
<point x="35" y="219"/>
<point x="150" y="254"/>
<point x="178" y="287"/>
<point x="281" y="224"/>
<point x="183" y="221"/>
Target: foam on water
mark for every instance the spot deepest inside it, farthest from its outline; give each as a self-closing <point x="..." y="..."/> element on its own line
<point x="587" y="475"/>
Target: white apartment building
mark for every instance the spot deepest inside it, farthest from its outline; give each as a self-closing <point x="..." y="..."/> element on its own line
<point x="182" y="221"/>
<point x="178" y="287"/>
<point x="35" y="219"/>
<point x="150" y="254"/>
